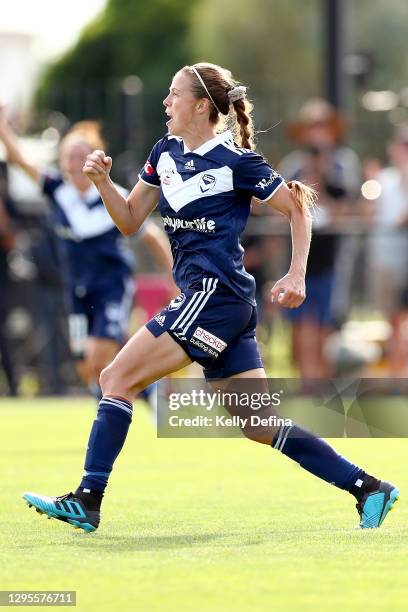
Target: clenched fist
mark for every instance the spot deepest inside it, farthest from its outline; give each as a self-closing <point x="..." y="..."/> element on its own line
<point x="289" y="291"/>
<point x="97" y="166"/>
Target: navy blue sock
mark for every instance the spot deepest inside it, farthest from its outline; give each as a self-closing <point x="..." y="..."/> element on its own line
<point x="108" y="434"/>
<point x="317" y="456"/>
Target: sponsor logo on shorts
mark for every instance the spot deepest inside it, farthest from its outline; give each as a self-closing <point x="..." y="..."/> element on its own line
<point x="177" y="302"/>
<point x="160" y="319"/>
<point x="209" y="339"/>
<point x="203" y="347"/>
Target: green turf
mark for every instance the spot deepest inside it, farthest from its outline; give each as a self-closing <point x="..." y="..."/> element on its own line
<point x="195" y="524"/>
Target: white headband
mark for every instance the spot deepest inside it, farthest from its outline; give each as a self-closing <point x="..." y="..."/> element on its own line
<point x="203" y="84"/>
<point x="234" y="94"/>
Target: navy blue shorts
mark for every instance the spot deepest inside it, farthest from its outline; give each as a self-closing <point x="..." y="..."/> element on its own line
<point x="214" y="327"/>
<point x="102" y="313"/>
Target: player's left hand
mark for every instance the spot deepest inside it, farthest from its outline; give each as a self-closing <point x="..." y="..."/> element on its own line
<point x="289" y="291"/>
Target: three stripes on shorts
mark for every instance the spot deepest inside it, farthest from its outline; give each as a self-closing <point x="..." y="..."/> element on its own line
<point x="191" y="311"/>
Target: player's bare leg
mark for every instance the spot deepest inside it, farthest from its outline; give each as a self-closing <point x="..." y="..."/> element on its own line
<point x="142" y="360"/>
<point x="256" y="383"/>
<point x="99" y="352"/>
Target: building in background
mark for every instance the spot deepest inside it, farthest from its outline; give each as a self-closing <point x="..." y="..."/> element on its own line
<point x="19" y="69"/>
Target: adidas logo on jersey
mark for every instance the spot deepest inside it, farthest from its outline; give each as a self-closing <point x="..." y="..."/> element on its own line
<point x="189" y="165"/>
<point x="160" y="319"/>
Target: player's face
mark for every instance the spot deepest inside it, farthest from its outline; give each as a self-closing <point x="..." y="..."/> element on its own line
<point x="180" y="106"/>
<point x="73" y="155"/>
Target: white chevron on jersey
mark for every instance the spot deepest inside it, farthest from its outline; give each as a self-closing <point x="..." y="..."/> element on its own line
<point x="179" y="193"/>
<point x="85" y="222"/>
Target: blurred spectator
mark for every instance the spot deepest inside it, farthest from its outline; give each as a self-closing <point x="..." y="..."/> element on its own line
<point x="97" y="263"/>
<point x="334" y="171"/>
<point x="7" y="240"/>
<point x="388" y="249"/>
<point x="35" y="309"/>
<point x="49" y="302"/>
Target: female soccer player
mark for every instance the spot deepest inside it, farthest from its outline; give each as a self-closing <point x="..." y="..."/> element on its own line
<point x="99" y="266"/>
<point x="204" y="183"/>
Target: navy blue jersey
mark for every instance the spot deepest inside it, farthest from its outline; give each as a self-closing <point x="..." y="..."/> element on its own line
<point x="205" y="199"/>
<point x="95" y="249"/>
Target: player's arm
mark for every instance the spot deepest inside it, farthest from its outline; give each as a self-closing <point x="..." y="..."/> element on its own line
<point x="156" y="241"/>
<point x="294" y="200"/>
<point x="13" y="151"/>
<point x="127" y="213"/>
<point x="158" y="245"/>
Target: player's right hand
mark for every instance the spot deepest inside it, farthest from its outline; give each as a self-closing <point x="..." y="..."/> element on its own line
<point x="97" y="166"/>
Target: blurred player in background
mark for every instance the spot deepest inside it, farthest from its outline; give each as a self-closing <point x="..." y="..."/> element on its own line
<point x="7" y="243"/>
<point x="204" y="183"/>
<point x="334" y="170"/>
<point x="388" y="250"/>
<point x="99" y="265"/>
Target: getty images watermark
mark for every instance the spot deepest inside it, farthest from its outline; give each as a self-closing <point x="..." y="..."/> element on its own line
<point x="195" y="408"/>
<point x="331" y="408"/>
<point x="235" y="402"/>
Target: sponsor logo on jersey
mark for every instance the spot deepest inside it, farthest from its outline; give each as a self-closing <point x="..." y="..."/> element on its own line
<point x="189" y="165"/>
<point x="209" y="339"/>
<point x="202" y="225"/>
<point x="207" y="182"/>
<point x="177" y="302"/>
<point x="148" y="168"/>
<point x="264" y="183"/>
<point x="167" y="175"/>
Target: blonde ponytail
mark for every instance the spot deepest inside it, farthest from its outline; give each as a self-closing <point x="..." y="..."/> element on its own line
<point x="305" y="197"/>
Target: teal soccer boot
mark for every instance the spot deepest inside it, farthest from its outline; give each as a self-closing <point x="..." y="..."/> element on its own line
<point x="67" y="508"/>
<point x="375" y="505"/>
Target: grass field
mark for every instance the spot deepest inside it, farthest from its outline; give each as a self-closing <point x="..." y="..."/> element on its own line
<point x="195" y="524"/>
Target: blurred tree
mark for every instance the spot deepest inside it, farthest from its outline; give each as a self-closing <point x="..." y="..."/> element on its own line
<point x="274" y="47"/>
<point x="381" y="31"/>
<point x="130" y="37"/>
<point x="261" y="40"/>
